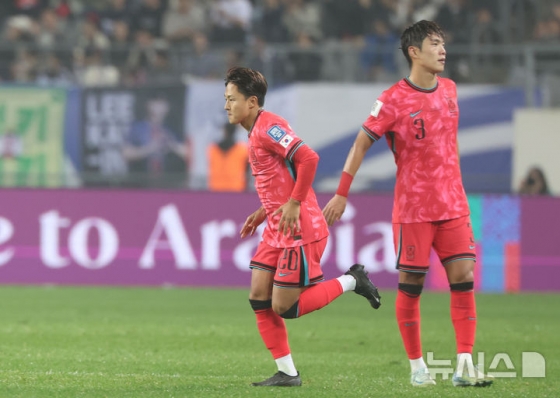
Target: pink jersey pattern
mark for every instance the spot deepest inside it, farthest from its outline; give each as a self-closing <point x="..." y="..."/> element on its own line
<point x="272" y="145"/>
<point x="420" y="127"/>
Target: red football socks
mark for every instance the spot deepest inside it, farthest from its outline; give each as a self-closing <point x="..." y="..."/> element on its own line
<point x="273" y="332"/>
<point x="463" y="316"/>
<point x="271" y="326"/>
<point x="408" y="317"/>
<point x="318" y="296"/>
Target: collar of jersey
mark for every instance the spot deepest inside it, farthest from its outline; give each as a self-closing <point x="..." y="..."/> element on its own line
<point x="255" y="122"/>
<point x="423" y="90"/>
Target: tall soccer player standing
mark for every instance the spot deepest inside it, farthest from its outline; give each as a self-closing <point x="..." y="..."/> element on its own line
<point x="419" y="118"/>
<point x="287" y="280"/>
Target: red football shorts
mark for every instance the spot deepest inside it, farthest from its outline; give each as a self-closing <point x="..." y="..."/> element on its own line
<point x="452" y="240"/>
<point x="293" y="266"/>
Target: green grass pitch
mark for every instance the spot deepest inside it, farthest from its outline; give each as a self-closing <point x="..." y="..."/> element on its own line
<point x="180" y="342"/>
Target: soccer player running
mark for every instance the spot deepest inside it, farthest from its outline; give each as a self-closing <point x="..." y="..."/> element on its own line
<point x="419" y="118"/>
<point x="287" y="280"/>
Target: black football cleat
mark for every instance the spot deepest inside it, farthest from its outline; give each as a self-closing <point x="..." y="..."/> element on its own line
<point x="364" y="287"/>
<point x="280" y="379"/>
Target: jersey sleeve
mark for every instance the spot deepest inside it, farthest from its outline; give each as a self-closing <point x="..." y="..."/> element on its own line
<point x="381" y="118"/>
<point x="279" y="138"/>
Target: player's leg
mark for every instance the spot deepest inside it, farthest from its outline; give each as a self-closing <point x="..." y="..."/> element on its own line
<point x="412" y="244"/>
<point x="299" y="287"/>
<point x="271" y="326"/>
<point x="454" y="244"/>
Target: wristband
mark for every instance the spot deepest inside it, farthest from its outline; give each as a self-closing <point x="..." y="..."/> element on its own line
<point x="344" y="184"/>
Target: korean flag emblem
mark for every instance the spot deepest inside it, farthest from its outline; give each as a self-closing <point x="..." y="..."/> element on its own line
<point x="286" y="141"/>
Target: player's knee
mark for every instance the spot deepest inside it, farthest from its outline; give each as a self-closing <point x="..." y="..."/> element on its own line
<point x="460" y="271"/>
<point x="288" y="312"/>
<point x="260" y="305"/>
<point x="410" y="289"/>
<point x="259" y="295"/>
<point x="461" y="287"/>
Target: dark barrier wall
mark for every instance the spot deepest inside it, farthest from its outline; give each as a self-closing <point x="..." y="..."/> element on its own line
<point x="192" y="239"/>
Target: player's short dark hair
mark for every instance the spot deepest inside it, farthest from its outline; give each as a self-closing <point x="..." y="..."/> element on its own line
<point x="415" y="34"/>
<point x="249" y="82"/>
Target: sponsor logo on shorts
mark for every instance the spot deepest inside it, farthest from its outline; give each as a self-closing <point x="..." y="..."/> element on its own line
<point x="281" y="274"/>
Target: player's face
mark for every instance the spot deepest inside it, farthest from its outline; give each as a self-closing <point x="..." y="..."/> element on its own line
<point x="238" y="107"/>
<point x="432" y="56"/>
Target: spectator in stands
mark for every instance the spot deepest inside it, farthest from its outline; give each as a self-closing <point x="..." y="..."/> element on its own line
<point x="180" y="23"/>
<point x="534" y="183"/>
<point x="148" y="17"/>
<point x="378" y="54"/>
<point x="92" y="68"/>
<point x="547" y="30"/>
<point x="64" y="10"/>
<point x="50" y="30"/>
<point x="303" y="16"/>
<point x="31" y="8"/>
<point x="455" y="18"/>
<point x="233" y="57"/>
<point x="228" y="163"/>
<point x="53" y="73"/>
<point x="116" y="12"/>
<point x="269" y="25"/>
<point x="424" y="9"/>
<point x="19" y="30"/>
<point x="26" y="66"/>
<point x="161" y="72"/>
<point x="484" y="29"/>
<point x="555" y="11"/>
<point x="485" y="32"/>
<point x="266" y="60"/>
<point x="120" y="42"/>
<point x="305" y="61"/>
<point x="142" y="55"/>
<point x="202" y="62"/>
<point x="346" y="20"/>
<point x="230" y="21"/>
<point x="90" y="35"/>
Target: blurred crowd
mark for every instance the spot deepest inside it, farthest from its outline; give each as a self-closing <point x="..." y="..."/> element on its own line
<point x="137" y="42"/>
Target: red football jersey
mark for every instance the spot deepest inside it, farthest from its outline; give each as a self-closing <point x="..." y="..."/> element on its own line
<point x="421" y="129"/>
<point x="272" y="145"/>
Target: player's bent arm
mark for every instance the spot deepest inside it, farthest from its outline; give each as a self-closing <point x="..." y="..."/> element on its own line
<point x="353" y="162"/>
<point x="357" y="153"/>
<point x="305" y="160"/>
<point x="335" y="207"/>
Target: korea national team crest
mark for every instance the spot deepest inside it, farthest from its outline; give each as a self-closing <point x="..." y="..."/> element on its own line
<point x="452" y="105"/>
<point x="410" y="253"/>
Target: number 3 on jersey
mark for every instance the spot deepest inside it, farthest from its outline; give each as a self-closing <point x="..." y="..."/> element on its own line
<point x="419" y="124"/>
